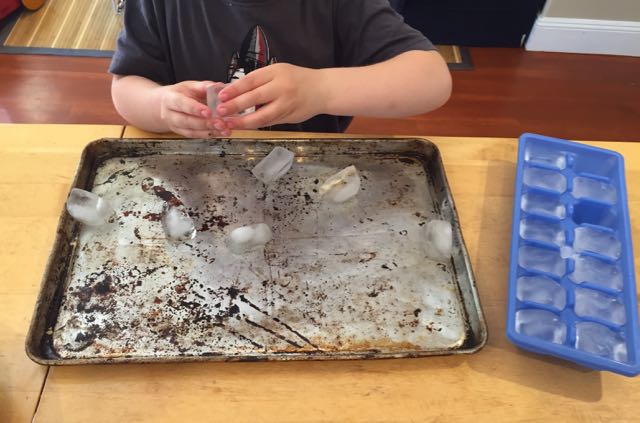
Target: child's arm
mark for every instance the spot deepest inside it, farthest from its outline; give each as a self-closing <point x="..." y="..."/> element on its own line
<point x="411" y="83"/>
<point x="157" y="108"/>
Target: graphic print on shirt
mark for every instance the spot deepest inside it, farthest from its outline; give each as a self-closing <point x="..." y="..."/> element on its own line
<point x="253" y="54"/>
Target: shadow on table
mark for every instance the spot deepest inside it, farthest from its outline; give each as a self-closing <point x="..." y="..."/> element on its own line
<point x="500" y="358"/>
<point x="542" y="373"/>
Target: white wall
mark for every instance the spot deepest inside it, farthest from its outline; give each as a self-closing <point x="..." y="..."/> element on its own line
<point x="610" y="10"/>
<point x="588" y="26"/>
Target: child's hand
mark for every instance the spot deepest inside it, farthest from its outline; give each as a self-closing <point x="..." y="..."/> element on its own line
<point x="183" y="111"/>
<point x="286" y="94"/>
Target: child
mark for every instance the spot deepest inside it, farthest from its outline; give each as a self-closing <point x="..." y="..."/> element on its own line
<point x="304" y="65"/>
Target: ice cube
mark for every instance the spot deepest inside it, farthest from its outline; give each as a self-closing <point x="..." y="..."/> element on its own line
<point x="566" y="252"/>
<point x="598" y="272"/>
<point x="178" y="225"/>
<point x="342" y="186"/>
<point x="601" y="242"/>
<point x="543" y="204"/>
<point x="541" y="230"/>
<point x="543" y="178"/>
<point x="600" y="340"/>
<point x="594" y="189"/>
<point x="534" y="258"/>
<point x="89" y="208"/>
<point x="541" y="324"/>
<point x="274" y="166"/>
<point x="439" y="237"/>
<point x="541" y="290"/>
<point x="591" y="303"/>
<point x="249" y="238"/>
<point x="538" y="154"/>
<point x="212" y="98"/>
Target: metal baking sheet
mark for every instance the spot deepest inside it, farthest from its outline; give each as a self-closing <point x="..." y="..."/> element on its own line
<point x="337" y="282"/>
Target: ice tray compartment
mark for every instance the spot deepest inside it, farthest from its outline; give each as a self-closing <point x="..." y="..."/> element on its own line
<point x="572" y="285"/>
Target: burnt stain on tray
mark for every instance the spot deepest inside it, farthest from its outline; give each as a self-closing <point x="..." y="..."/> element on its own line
<point x="148" y="185"/>
<point x="209" y="218"/>
<point x="114" y="176"/>
<point x="153" y="217"/>
<point x="102" y="291"/>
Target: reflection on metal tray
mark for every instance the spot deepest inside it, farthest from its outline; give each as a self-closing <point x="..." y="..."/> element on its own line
<point x="337" y="282"/>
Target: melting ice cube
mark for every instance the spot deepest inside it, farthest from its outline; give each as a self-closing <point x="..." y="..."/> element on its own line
<point x="600" y="340"/>
<point x="274" y="166"/>
<point x="543" y="204"/>
<point x="533" y="258"/>
<point x="589" y="269"/>
<point x="589" y="239"/>
<point x="594" y="189"/>
<point x="541" y="290"/>
<point x="342" y="186"/>
<point x="439" y="239"/>
<point x="542" y="230"/>
<point x="178" y="225"/>
<point x="539" y="154"/>
<point x="212" y="97"/>
<point x="89" y="208"/>
<point x="566" y="252"/>
<point x="541" y="324"/>
<point x="249" y="238"/>
<point x="543" y="260"/>
<point x="591" y="303"/>
<point x="544" y="178"/>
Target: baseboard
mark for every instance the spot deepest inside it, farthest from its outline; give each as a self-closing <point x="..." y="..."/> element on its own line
<point x="585" y="36"/>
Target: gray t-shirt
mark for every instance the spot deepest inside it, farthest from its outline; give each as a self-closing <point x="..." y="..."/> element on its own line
<point x="169" y="41"/>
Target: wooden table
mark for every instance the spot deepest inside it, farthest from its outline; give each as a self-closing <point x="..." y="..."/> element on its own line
<point x="500" y="383"/>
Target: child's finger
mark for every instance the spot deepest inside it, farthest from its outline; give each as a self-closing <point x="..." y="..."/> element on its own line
<point x="184" y="104"/>
<point x="199" y="88"/>
<point x="265" y="116"/>
<point x="261" y="95"/>
<point x="220" y="125"/>
<point x="182" y="120"/>
<point x="250" y="82"/>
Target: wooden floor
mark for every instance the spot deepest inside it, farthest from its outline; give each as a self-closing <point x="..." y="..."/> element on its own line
<point x="509" y="92"/>
<point x="70" y="24"/>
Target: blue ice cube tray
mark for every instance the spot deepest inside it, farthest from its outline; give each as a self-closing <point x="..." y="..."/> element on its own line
<point x="572" y="291"/>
